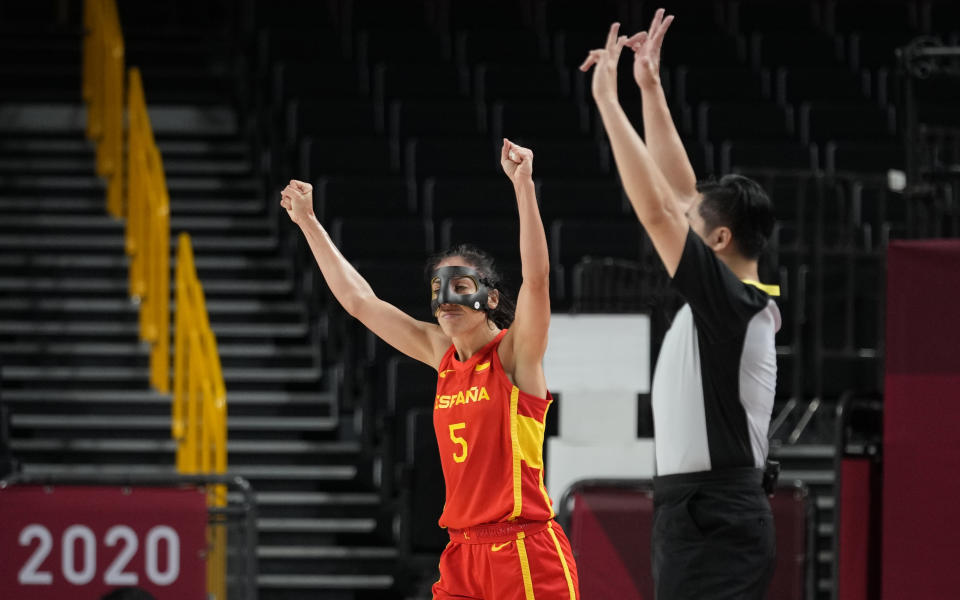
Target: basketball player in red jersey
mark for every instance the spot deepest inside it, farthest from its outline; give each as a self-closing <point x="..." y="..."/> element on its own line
<point x="491" y="400"/>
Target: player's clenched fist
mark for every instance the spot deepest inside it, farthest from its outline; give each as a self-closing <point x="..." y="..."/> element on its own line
<point x="297" y="199"/>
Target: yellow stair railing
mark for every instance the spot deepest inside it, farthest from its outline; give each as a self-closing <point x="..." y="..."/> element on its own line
<point x="199" y="402"/>
<point x="199" y="394"/>
<point x="103" y="57"/>
<point x="148" y="233"/>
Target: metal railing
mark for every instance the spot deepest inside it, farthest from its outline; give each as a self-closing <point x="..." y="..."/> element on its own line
<point x="102" y="87"/>
<point x="148" y="233"/>
<point x="199" y="401"/>
<point x="236" y="521"/>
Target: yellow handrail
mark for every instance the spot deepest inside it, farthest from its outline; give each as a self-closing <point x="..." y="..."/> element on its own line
<point x="148" y="234"/>
<point x="103" y="53"/>
<point x="199" y="424"/>
<point x="199" y="402"/>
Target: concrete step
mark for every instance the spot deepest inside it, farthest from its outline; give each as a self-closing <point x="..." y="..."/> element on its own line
<point x="151" y="397"/>
<point x="265" y="499"/>
<point x="48" y="185"/>
<point x="60" y="118"/>
<point x="223" y="310"/>
<point x="84" y="206"/>
<point x="162" y="423"/>
<point x="196" y="225"/>
<point x="96" y="205"/>
<point x="325" y="552"/>
<point x="321" y="583"/>
<point x="296" y="472"/>
<point x="85" y="165"/>
<point x="131" y="329"/>
<point x="45" y="165"/>
<point x="316" y="525"/>
<point x="114" y="242"/>
<point x="288" y="504"/>
<point x="13" y="375"/>
<point x="234" y="447"/>
<point x="72" y="286"/>
<point x="74" y="146"/>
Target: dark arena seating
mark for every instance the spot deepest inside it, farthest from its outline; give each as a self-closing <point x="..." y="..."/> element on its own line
<point x="845" y="111"/>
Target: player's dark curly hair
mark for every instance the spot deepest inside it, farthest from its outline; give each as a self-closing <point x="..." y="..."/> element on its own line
<point x="741" y="204"/>
<point x="501" y="316"/>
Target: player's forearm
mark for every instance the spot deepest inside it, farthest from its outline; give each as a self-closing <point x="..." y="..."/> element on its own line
<point x="645" y="186"/>
<point x="664" y="145"/>
<point x="534" y="256"/>
<point x="348" y="286"/>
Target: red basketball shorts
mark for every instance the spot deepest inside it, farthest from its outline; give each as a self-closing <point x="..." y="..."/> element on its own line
<point x="508" y="561"/>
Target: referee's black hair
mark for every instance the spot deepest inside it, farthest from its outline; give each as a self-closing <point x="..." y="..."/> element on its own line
<point x="503" y="315"/>
<point x="739" y="203"/>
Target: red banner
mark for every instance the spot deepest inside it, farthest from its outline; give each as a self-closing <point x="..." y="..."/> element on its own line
<point x="82" y="542"/>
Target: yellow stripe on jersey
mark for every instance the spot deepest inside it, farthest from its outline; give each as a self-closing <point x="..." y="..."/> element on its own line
<point x="771" y="290"/>
<point x="482" y="366"/>
<point x="531" y="432"/>
<point x="546" y="496"/>
<point x="517" y="453"/>
<point x="563" y="562"/>
<point x="525" y="566"/>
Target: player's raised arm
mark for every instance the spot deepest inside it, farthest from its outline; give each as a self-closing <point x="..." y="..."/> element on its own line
<point x="526" y="343"/>
<point x="417" y="339"/>
<point x="651" y="195"/>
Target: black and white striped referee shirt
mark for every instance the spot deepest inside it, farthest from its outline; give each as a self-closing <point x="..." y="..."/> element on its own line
<point x="716" y="375"/>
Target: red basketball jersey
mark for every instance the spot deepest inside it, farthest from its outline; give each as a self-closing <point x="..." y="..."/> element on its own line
<point x="490" y="436"/>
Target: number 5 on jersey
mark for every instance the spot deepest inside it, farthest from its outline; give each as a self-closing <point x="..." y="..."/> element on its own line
<point x="454" y="428"/>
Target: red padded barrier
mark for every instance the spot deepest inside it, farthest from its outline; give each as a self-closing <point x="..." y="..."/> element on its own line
<point x="921" y="523"/>
<point x="610" y="534"/>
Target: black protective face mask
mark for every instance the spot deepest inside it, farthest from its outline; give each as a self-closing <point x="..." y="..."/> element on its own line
<point x="446" y="295"/>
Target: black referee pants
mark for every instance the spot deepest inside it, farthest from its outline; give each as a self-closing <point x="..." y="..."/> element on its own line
<point x="713" y="536"/>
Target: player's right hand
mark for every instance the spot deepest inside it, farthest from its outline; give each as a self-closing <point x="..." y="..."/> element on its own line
<point x="297" y="199"/>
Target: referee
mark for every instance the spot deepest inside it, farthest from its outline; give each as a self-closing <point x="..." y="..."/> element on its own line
<point x="713" y="386"/>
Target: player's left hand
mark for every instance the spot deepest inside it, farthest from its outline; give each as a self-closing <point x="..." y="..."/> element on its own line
<point x="517" y="161"/>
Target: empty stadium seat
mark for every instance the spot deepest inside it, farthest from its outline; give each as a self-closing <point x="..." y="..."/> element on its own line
<point x="348" y="155"/>
<point x="420" y="81"/>
<point x="580" y="197"/>
<point x="499" y="237"/>
<point x="416" y="118"/>
<point x="821" y="122"/>
<point x="753" y="121"/>
<point x="373" y="238"/>
<point x="446" y="197"/>
<point x="875" y="157"/>
<point x="496" y="46"/>
<point x="795" y="16"/>
<point x="424" y="494"/>
<point x="401" y="45"/>
<point x="802" y="84"/>
<point x="731" y="84"/>
<point x="427" y="157"/>
<point x="331" y="117"/>
<point x="363" y="197"/>
<point x="399" y="282"/>
<point x="567" y="157"/>
<point x="529" y="82"/>
<point x="737" y="155"/>
<point x="702" y="50"/>
<point x="541" y="119"/>
<point x="799" y="50"/>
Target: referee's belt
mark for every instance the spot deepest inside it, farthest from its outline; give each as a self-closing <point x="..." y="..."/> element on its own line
<point x="497" y="532"/>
